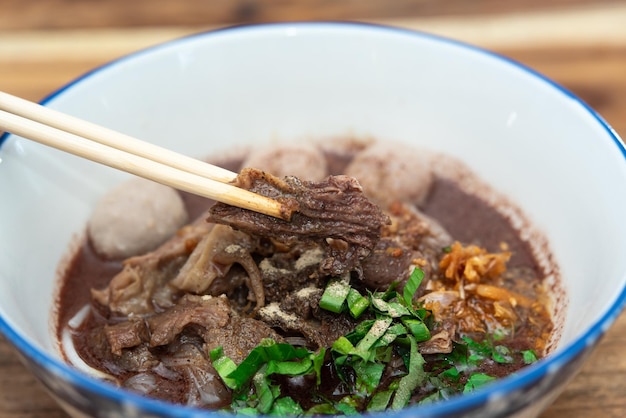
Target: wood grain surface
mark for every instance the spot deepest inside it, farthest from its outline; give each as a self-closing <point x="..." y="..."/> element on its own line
<point x="579" y="44"/>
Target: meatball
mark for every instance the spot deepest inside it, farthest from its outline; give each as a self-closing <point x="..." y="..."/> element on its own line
<point x="303" y="161"/>
<point x="388" y="173"/>
<point x="134" y="218"/>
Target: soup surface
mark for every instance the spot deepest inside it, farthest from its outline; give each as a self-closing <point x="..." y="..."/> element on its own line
<point x="447" y="298"/>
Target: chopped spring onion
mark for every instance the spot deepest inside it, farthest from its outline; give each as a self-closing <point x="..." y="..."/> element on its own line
<point x="335" y="294"/>
<point x="357" y="304"/>
<point x="379" y="401"/>
<point x="394" y="326"/>
<point x="529" y="356"/>
<point x="409" y="382"/>
<point x="476" y="381"/>
<point x="418" y="328"/>
<point x="275" y="357"/>
<point x="415" y="279"/>
<point x="286" y="406"/>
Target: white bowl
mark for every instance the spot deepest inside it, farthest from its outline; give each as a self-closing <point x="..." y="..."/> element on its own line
<point x="533" y="141"/>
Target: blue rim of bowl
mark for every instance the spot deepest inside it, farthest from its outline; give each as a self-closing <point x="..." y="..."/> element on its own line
<point x="524" y="379"/>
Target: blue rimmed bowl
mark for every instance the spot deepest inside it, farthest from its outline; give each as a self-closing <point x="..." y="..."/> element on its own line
<point x="531" y="140"/>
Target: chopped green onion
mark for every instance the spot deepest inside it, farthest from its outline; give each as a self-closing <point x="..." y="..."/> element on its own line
<point x="394" y="327"/>
<point x="368" y="375"/>
<point x="376" y="331"/>
<point x="290" y="368"/>
<point x="335" y="294"/>
<point x="283" y="352"/>
<point x="264" y="392"/>
<point x="431" y="399"/>
<point x="529" y="356"/>
<point x="476" y="381"/>
<point x="391" y="308"/>
<point x="409" y="382"/>
<point x="394" y="331"/>
<point x="379" y="401"/>
<point x="501" y="354"/>
<point x="343" y="346"/>
<point x="360" y="331"/>
<point x="286" y="406"/>
<point x="322" y="409"/>
<point x="411" y="286"/>
<point x="248" y="367"/>
<point x="357" y="304"/>
<point x="452" y="373"/>
<point x="224" y="366"/>
<point x="347" y="406"/>
<point x="418" y="328"/>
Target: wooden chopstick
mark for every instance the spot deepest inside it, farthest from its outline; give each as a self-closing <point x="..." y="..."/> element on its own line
<point x="114" y="139"/>
<point x="116" y="150"/>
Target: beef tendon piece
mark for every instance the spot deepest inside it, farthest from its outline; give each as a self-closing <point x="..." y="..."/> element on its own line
<point x="333" y="212"/>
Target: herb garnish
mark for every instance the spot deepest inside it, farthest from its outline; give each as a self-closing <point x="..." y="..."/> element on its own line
<point x="394" y="328"/>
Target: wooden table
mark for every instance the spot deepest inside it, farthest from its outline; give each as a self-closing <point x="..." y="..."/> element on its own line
<point x="580" y="44"/>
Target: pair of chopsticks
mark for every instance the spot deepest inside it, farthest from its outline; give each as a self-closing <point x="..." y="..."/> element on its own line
<point x="123" y="152"/>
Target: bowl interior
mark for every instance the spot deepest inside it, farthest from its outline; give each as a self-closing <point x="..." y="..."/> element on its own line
<point x="217" y="93"/>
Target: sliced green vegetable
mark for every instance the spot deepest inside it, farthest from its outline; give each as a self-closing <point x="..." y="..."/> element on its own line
<point x="529" y="356"/>
<point x="393" y="309"/>
<point x="409" y="383"/>
<point x="357" y="303"/>
<point x="418" y="328"/>
<point x="501" y="354"/>
<point x="379" y="401"/>
<point x="477" y="380"/>
<point x="322" y="409"/>
<point x="264" y="392"/>
<point x="393" y="332"/>
<point x="286" y="406"/>
<point x="411" y="286"/>
<point x="347" y="406"/>
<point x="452" y="374"/>
<point x="395" y="326"/>
<point x="248" y="368"/>
<point x="224" y="366"/>
<point x="282" y="352"/>
<point x="377" y="330"/>
<point x="360" y="331"/>
<point x="335" y="294"/>
<point x="343" y="346"/>
<point x="318" y="362"/>
<point x="290" y="368"/>
<point x="368" y="375"/>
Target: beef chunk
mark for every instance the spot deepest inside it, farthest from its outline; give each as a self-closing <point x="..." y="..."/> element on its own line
<point x="389" y="262"/>
<point x="205" y="311"/>
<point x="139" y="288"/>
<point x="333" y="212"/>
<point x="162" y="328"/>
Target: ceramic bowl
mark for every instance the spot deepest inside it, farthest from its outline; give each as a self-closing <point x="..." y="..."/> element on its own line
<point x="530" y="139"/>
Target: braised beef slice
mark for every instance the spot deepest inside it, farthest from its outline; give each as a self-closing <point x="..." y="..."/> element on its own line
<point x="162" y="328"/>
<point x="126" y="334"/>
<point x="206" y="311"/>
<point x="139" y="289"/>
<point x="333" y="212"/>
<point x="389" y="262"/>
